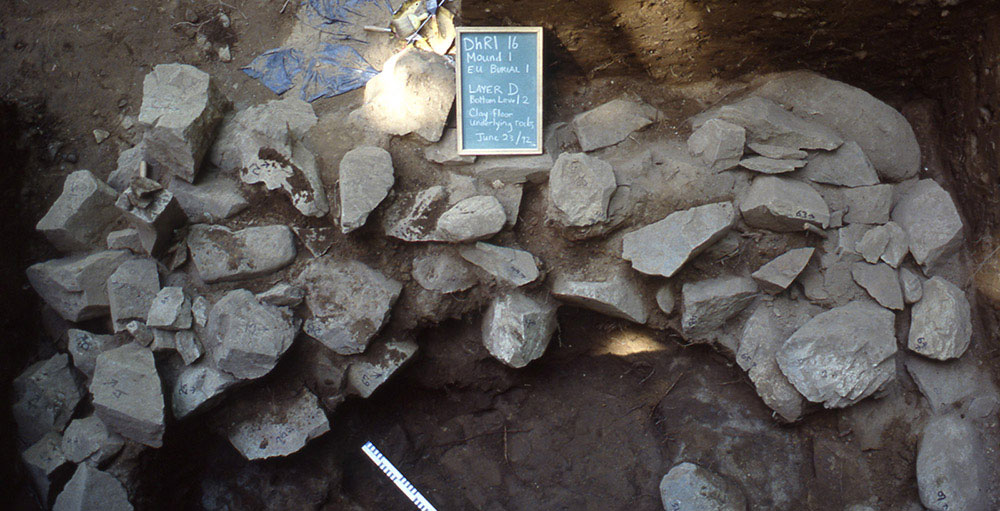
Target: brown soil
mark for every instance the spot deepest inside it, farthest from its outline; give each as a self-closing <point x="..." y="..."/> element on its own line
<point x="596" y="422"/>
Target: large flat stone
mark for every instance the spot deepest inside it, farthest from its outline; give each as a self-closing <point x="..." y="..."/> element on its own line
<point x="941" y="323"/>
<point x="511" y="169"/>
<point x="881" y="282"/>
<point x="508" y="266"/>
<point x="517" y="328"/>
<point x="128" y="396"/>
<point x="780" y="272"/>
<point x="221" y="254"/>
<point x="617" y="296"/>
<point x="847" y="166"/>
<point x="215" y="197"/>
<point x="245" y="337"/>
<point x="89" y="441"/>
<point x="783" y="205"/>
<point x="442" y="272"/>
<point x="273" y="125"/>
<point x="198" y="387"/>
<point x="768" y="123"/>
<point x="471" y="219"/>
<point x="83" y="214"/>
<point x="580" y="188"/>
<point x="719" y="144"/>
<point x="687" y="233"/>
<point x="868" y="204"/>
<point x="76" y="286"/>
<point x="366" y="176"/>
<point x="278" y="428"/>
<point x="708" y="304"/>
<point x="612" y="122"/>
<point x="931" y="221"/>
<point x="376" y="367"/>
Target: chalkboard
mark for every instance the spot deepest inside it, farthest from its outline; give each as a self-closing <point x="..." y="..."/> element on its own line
<point x="499" y="79"/>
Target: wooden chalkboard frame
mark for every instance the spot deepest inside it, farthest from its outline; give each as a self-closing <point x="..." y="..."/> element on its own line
<point x="458" y="89"/>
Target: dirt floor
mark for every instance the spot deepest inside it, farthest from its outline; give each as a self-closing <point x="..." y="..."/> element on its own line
<point x="596" y="422"/>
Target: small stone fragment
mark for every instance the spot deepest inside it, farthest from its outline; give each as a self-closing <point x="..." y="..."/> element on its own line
<point x="47" y="395"/>
<point x="665" y="300"/>
<point x="317" y="240"/>
<point x="245" y="337"/>
<point x="42" y="460"/>
<point x="125" y="239"/>
<point x="366" y="176"/>
<point x="131" y="290"/>
<point x="783" y="205"/>
<point x="88" y="440"/>
<point x="90" y="488"/>
<point x="82" y="215"/>
<point x="101" y="135"/>
<point x="951" y="468"/>
<point x="285" y="295"/>
<point x="777" y="152"/>
<point x="188" y="346"/>
<point x="445" y="151"/>
<point x="898" y="246"/>
<point x="612" y="122"/>
<point x="931" y="221"/>
<point x="580" y="188"/>
<point x="170" y="310"/>
<point x="617" y="296"/>
<point x="517" y="328"/>
<point x="199" y="310"/>
<point x="766" y="165"/>
<point x="689" y="486"/>
<point x="221" y="254"/>
<point x="868" y="204"/>
<point x="941" y="324"/>
<point x="85" y="347"/>
<point x="375" y="368"/>
<point x="127" y="394"/>
<point x="198" y="387"/>
<point x="471" y="219"/>
<point x="686" y="233"/>
<point x="710" y="303"/>
<point x="442" y="272"/>
<point x="282" y="428"/>
<point x="155" y="218"/>
<point x="719" y="144"/>
<point x="780" y="272"/>
<point x="913" y="287"/>
<point x="129" y="161"/>
<point x="841" y="356"/>
<point x="881" y="282"/>
<point x="350" y="303"/>
<point x="215" y="197"/>
<point x="140" y="332"/>
<point x="847" y="166"/>
<point x="76" y="286"/>
<point x="768" y="123"/>
<point x="181" y="110"/>
<point x="873" y="244"/>
<point x="163" y="340"/>
<point x="509" y="266"/>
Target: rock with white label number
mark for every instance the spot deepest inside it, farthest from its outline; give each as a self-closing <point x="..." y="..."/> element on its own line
<point x="46" y="395"/>
<point x="783" y="205"/>
<point x="246" y="337"/>
<point x="951" y="467"/>
<point x="76" y="286"/>
<point x="941" y="324"/>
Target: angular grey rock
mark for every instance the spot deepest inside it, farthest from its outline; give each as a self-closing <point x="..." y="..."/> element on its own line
<point x="47" y="395"/>
<point x="689" y="486"/>
<point x="245" y="337"/>
<point x="931" y="221"/>
<point x="511" y="169"/>
<point x="283" y="427"/>
<point x="612" y="122"/>
<point x="913" y="286"/>
<point x="89" y="440"/>
<point x="82" y="215"/>
<point x="868" y="204"/>
<point x="155" y="221"/>
<point x="85" y="347"/>
<point x="879" y="129"/>
<point x="181" y="110"/>
<point x="471" y="219"/>
<point x="509" y="266"/>
<point x="580" y="188"/>
<point x="873" y="244"/>
<point x="350" y="303"/>
<point x="42" y="460"/>
<point x="76" y="286"/>
<point x="719" y="144"/>
<point x="125" y="239"/>
<point x="215" y="197"/>
<point x="412" y="94"/>
<point x="767" y="328"/>
<point x="170" y="310"/>
<point x="777" y="152"/>
<point x="951" y="468"/>
<point x="462" y="187"/>
<point x="768" y="123"/>
<point x="665" y="299"/>
<point x="131" y="290"/>
<point x="127" y="394"/>
<point x="517" y="328"/>
<point x="445" y="151"/>
<point x="418" y="217"/>
<point x="442" y="272"/>
<point x="780" y="272"/>
<point x="766" y="165"/>
<point x="163" y="340"/>
<point x="783" y="205"/>
<point x="842" y="355"/>
<point x="954" y="385"/>
<point x="317" y="240"/>
<point x="295" y="172"/>
<point x="617" y="296"/>
<point x="188" y="346"/>
<point x="941" y="324"/>
<point x="221" y="254"/>
<point x="90" y="488"/>
<point x="686" y="233"/>
<point x="141" y="333"/>
<point x="273" y="126"/>
<point x="373" y="369"/>
<point x="881" y="282"/>
<point x="847" y="166"/>
<point x="199" y="387"/>
<point x="708" y="304"/>
<point x="366" y="176"/>
<point x="199" y="310"/>
<point x="898" y="246"/>
<point x="282" y="294"/>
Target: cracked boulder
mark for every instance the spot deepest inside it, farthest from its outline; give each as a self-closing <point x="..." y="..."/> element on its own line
<point x="841" y="356"/>
<point x="580" y="189"/>
<point x="246" y="337"/>
<point x="83" y="214"/>
<point x="181" y="111"/>
<point x="275" y="427"/>
<point x="76" y="286"/>
<point x="941" y="324"/>
<point x="221" y="254"/>
<point x="517" y="328"/>
<point x="931" y="221"/>
<point x="783" y="205"/>
<point x="663" y="247"/>
<point x="612" y="122"/>
<point x="366" y="176"/>
<point x="127" y="394"/>
<point x="46" y="394"/>
<point x="349" y="301"/>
